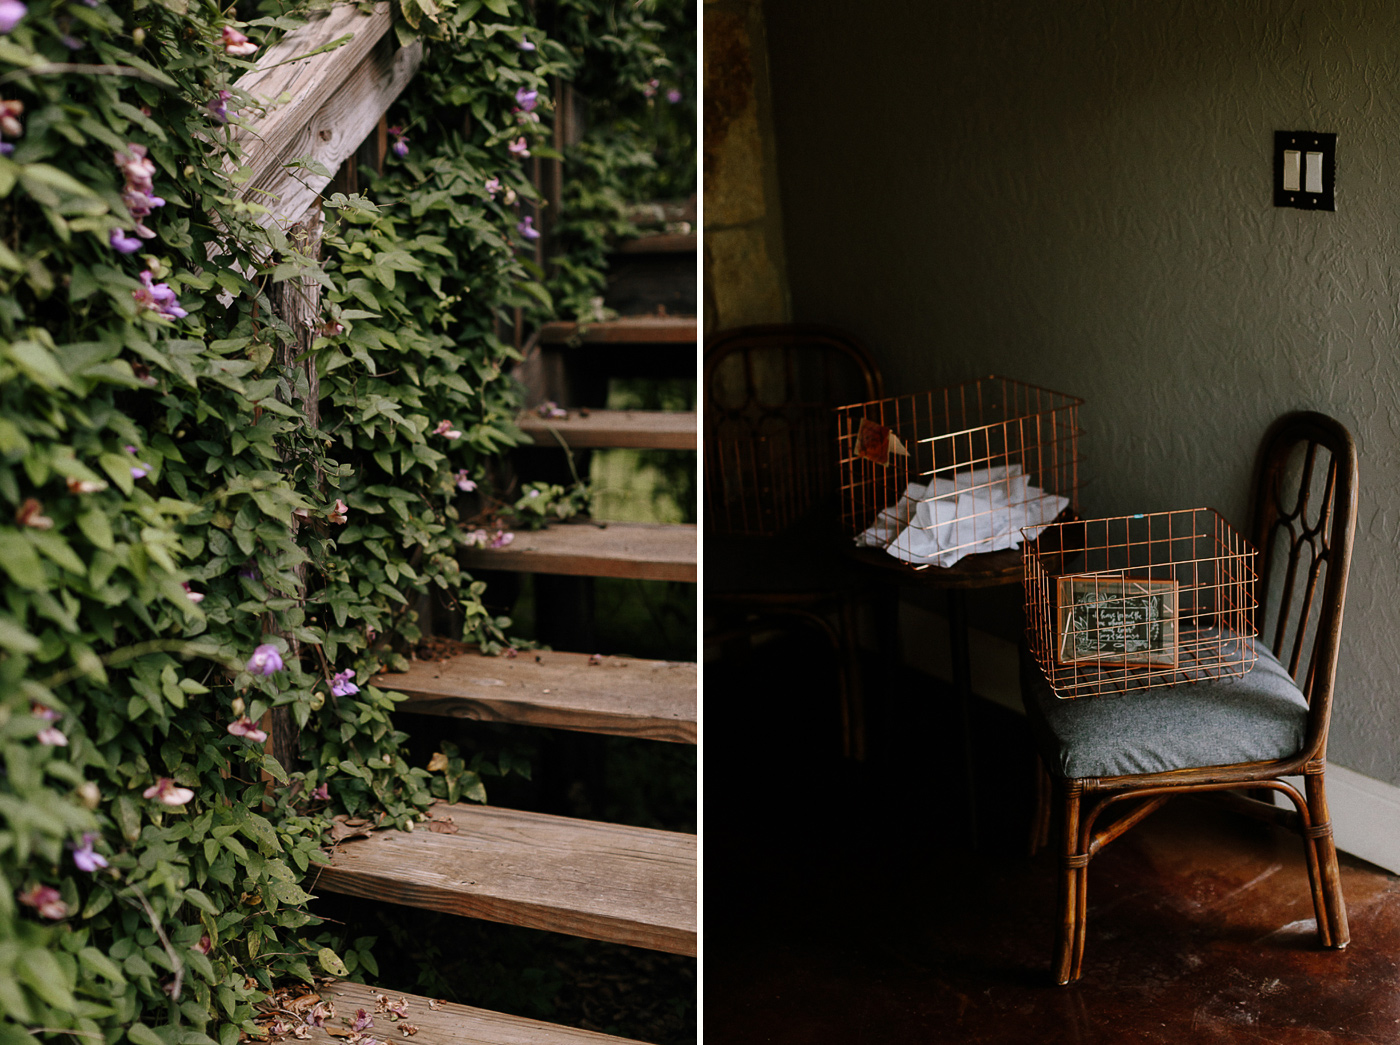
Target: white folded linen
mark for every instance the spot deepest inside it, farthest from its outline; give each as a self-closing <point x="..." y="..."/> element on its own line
<point x="976" y="511"/>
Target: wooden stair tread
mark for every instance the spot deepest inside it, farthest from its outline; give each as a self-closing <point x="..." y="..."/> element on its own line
<point x="627" y="329"/>
<point x="448" y="1024"/>
<point x="645" y="551"/>
<point x="600" y="429"/>
<point x="628" y="885"/>
<point x="660" y="243"/>
<point x="619" y="696"/>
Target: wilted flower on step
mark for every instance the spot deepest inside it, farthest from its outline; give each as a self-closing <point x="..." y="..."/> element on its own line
<point x="337" y="514"/>
<point x="465" y="484"/>
<point x="595" y="659"/>
<point x="520" y="147"/>
<point x="123" y="243"/>
<point x="45" y="900"/>
<point x="191" y="594"/>
<point x="650" y="89"/>
<point x="165" y="792"/>
<point x="235" y="43"/>
<point x="445" y="428"/>
<point x="11" y="11"/>
<point x="218" y="106"/>
<point x="363" y="1021"/>
<point x="265" y="660"/>
<point x="502" y="538"/>
<point x="492" y="186"/>
<point x="341" y="685"/>
<point x="673" y="96"/>
<point x="527" y="99"/>
<point x="84" y="856"/>
<point x="243" y="726"/>
<point x="551" y="410"/>
<point x="31" y="513"/>
<point x="527" y="228"/>
<point x="526" y="45"/>
<point x="140" y="469"/>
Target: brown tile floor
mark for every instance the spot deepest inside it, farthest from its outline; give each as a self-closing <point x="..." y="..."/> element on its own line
<point x="838" y="909"/>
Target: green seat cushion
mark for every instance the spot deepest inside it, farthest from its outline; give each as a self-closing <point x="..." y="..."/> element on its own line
<point x="1217" y="722"/>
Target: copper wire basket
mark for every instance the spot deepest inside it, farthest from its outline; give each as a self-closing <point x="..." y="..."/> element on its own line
<point x="1139" y="601"/>
<point x="942" y="474"/>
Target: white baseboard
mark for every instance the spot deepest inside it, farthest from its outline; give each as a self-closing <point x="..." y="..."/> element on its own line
<point x="1365" y="812"/>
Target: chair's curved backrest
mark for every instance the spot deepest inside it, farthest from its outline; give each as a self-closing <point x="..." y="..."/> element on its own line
<point x="769" y="435"/>
<point x="1304" y="526"/>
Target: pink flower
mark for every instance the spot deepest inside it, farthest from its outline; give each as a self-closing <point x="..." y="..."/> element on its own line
<point x="673" y="96"/>
<point x="51" y="736"/>
<point x="165" y="792"/>
<point x="191" y="594"/>
<point x="86" y="485"/>
<point x="502" y="538"/>
<point x="11" y="11"/>
<point x="493" y="186"/>
<point x="265" y="660"/>
<point x="235" y="43"/>
<point x="363" y="1021"/>
<point x="45" y="900"/>
<point x="551" y="410"/>
<point x="526" y="99"/>
<point x="218" y="106"/>
<point x="322" y="793"/>
<point x="650" y="89"/>
<point x="527" y="228"/>
<point x="205" y="945"/>
<point x="341" y="685"/>
<point x="465" y="484"/>
<point x="337" y="514"/>
<point x="445" y="428"/>
<point x="124" y="244"/>
<point x="519" y="147"/>
<point x="84" y="857"/>
<point x="526" y="45"/>
<point x="30" y="513"/>
<point x="243" y="726"/>
<point x="158" y="297"/>
<point x="47" y="714"/>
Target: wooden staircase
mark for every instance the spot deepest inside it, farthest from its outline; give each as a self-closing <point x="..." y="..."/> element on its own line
<point x="613" y="882"/>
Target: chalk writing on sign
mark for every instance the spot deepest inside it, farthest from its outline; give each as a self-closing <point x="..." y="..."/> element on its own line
<point x="1125" y="620"/>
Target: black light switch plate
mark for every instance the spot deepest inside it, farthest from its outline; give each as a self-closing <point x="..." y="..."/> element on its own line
<point x="1288" y="194"/>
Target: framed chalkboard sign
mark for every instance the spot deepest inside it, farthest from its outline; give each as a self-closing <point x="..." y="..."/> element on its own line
<point x="1126" y="620"/>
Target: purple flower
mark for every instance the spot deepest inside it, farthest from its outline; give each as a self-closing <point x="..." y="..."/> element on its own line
<point x="673" y="96"/>
<point x="45" y="900"/>
<point x="250" y="572"/>
<point x="341" y="685"/>
<point x="550" y="410"/>
<point x="11" y="11"/>
<point x="322" y="793"/>
<point x="140" y="469"/>
<point x="158" y="297"/>
<point x="84" y="857"/>
<point x="492" y="186"/>
<point x="218" y="106"/>
<point x="526" y="45"/>
<point x="526" y="99"/>
<point x="519" y="147"/>
<point x="650" y="89"/>
<point x="465" y="484"/>
<point x="265" y="660"/>
<point x="165" y="792"/>
<point x="124" y="244"/>
<point x="191" y="594"/>
<point x="243" y="726"/>
<point x="6" y="148"/>
<point x="71" y="42"/>
<point x="527" y="228"/>
<point x="400" y="146"/>
<point x="502" y="538"/>
<point x="445" y="428"/>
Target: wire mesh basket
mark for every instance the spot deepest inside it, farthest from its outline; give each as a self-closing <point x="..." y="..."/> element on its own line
<point x="938" y="475"/>
<point x="1139" y="601"/>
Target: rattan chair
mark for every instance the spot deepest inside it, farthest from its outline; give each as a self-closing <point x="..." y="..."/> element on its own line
<point x="1129" y="754"/>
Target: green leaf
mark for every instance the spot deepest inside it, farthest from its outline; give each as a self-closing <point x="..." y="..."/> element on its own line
<point x="40" y="972"/>
<point x="92" y="958"/>
<point x="330" y="961"/>
<point x="19" y="560"/>
<point x="140" y="1034"/>
<point x="16" y="639"/>
<point x="96" y="528"/>
<point x="118" y="468"/>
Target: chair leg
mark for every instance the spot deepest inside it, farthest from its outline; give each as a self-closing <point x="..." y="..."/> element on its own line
<point x="1332" y="911"/>
<point x="1069" y="939"/>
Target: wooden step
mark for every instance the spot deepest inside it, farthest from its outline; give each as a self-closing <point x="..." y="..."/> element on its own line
<point x="648" y="330"/>
<point x="620" y="696"/>
<point x="629" y="885"/>
<point x="602" y="429"/>
<point x="660" y="243"/>
<point x="644" y="551"/>
<point x="441" y="1022"/>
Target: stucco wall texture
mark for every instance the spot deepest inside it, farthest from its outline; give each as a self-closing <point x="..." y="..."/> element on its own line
<point x="1078" y="194"/>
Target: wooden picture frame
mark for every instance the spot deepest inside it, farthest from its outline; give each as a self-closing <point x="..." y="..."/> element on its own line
<point x="1116" y="620"/>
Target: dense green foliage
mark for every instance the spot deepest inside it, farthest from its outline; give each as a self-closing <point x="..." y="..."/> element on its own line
<point x="166" y="508"/>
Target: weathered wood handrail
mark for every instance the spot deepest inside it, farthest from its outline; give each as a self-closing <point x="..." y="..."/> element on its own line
<point x="335" y="100"/>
